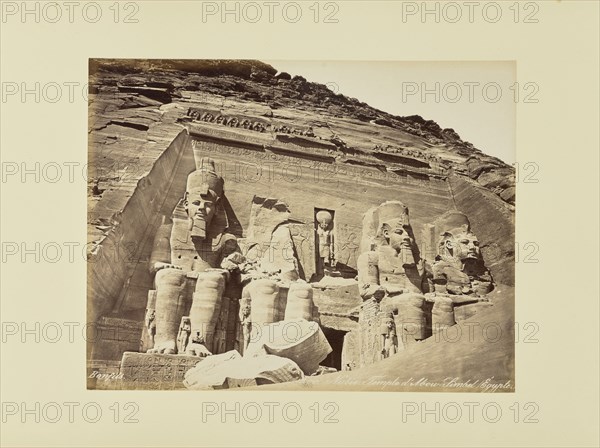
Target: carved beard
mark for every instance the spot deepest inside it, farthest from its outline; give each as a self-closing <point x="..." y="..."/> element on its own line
<point x="407" y="257"/>
<point x="198" y="228"/>
<point x="402" y="253"/>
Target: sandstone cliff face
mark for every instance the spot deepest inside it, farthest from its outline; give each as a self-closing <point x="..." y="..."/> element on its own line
<point x="149" y="85"/>
<point x="144" y="120"/>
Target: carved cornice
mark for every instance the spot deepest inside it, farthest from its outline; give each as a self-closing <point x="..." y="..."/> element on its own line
<point x="300" y="147"/>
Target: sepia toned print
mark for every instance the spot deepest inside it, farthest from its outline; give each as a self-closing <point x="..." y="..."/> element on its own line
<point x="250" y="228"/>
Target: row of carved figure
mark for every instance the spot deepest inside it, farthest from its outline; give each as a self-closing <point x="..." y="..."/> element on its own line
<point x="257" y="126"/>
<point x="407" y="152"/>
<point x="209" y="296"/>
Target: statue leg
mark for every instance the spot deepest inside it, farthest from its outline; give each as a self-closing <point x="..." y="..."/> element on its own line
<point x="299" y="301"/>
<point x="205" y="310"/>
<point x="264" y="296"/>
<point x="409" y="316"/>
<point x="170" y="307"/>
<point x="442" y="314"/>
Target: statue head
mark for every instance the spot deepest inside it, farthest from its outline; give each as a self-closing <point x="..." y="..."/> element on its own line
<point x="246" y="309"/>
<point x="460" y="244"/>
<point x="454" y="260"/>
<point x="394" y="227"/>
<point x="324" y="219"/>
<point x="387" y="323"/>
<point x="397" y="236"/>
<point x="456" y="239"/>
<point x="203" y="192"/>
<point x="186" y="323"/>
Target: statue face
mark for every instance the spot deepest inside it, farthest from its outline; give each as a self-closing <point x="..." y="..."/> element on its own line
<point x="324" y="219"/>
<point x="468" y="246"/>
<point x="464" y="246"/>
<point x="398" y="237"/>
<point x="201" y="208"/>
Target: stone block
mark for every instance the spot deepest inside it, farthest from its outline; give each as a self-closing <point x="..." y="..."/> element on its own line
<point x="231" y="370"/>
<point x="299" y="340"/>
<point x="149" y="371"/>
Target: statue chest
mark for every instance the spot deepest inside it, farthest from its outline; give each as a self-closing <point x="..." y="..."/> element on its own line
<point x="390" y="265"/>
<point x="191" y="255"/>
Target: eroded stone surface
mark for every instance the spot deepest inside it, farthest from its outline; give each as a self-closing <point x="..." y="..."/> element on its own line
<point x="297" y="339"/>
<point x="296" y="215"/>
<point x="230" y="370"/>
<point x="154" y="371"/>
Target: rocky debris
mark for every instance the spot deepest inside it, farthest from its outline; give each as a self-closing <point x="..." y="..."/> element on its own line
<point x="322" y="370"/>
<point x="259" y="75"/>
<point x="491" y="173"/>
<point x="508" y="194"/>
<point x="283" y="76"/>
<point x="205" y="67"/>
<point x="383" y="122"/>
<point x="230" y="370"/>
<point x="297" y="339"/>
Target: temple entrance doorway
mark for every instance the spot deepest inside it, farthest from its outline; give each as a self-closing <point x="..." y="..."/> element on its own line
<point x="336" y="340"/>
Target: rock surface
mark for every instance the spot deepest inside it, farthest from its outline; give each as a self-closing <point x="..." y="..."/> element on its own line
<point x="288" y="149"/>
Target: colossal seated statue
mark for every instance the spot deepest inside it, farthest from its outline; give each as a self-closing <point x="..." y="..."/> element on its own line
<point x="388" y="266"/>
<point x="272" y="288"/>
<point x="192" y="259"/>
<point x="455" y="278"/>
<point x="387" y="270"/>
<point x="453" y="262"/>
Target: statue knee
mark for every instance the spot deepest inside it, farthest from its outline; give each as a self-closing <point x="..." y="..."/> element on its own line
<point x="299" y="301"/>
<point x="263" y="286"/>
<point x="264" y="295"/>
<point x="170" y="301"/>
<point x="169" y="277"/>
<point x="442" y="314"/>
<point x="210" y="280"/>
<point x="409" y="315"/>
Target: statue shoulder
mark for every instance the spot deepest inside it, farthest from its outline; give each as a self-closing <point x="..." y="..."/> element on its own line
<point x="371" y="257"/>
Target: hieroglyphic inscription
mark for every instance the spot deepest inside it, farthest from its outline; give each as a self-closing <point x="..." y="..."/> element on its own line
<point x="153" y="371"/>
<point x="370" y="346"/>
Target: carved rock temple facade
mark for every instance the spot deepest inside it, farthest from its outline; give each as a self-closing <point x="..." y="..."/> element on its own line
<point x="379" y="251"/>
